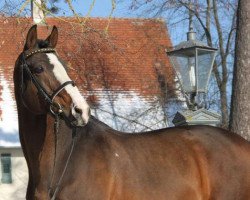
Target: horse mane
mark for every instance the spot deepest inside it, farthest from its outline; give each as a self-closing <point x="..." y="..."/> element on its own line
<point x="97" y="123"/>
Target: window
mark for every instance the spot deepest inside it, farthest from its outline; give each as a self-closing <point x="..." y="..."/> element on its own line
<point x="6" y="168"/>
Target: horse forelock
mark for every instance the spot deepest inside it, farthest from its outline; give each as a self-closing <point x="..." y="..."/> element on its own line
<point x="42" y="44"/>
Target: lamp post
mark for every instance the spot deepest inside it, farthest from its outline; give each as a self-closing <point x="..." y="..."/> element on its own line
<point x="193" y="61"/>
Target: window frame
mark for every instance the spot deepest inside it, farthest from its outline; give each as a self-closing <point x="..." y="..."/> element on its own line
<point x="6" y="168"/>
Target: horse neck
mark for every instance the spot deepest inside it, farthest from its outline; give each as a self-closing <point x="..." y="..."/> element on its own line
<point x="55" y="150"/>
<point x="38" y="141"/>
<point x="32" y="129"/>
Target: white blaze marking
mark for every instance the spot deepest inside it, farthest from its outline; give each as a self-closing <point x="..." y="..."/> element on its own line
<point x="62" y="76"/>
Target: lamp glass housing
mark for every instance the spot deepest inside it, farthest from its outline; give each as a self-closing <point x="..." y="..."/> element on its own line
<point x="193" y="67"/>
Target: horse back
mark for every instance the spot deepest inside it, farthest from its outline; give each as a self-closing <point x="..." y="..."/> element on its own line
<point x="201" y="162"/>
<point x="196" y="162"/>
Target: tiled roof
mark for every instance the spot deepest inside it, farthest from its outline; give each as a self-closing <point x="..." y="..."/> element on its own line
<point x="130" y="56"/>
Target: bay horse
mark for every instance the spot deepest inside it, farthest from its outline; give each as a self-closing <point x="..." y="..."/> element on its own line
<point x="72" y="155"/>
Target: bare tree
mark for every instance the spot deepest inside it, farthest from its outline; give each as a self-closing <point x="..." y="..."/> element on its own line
<point x="215" y="23"/>
<point x="240" y="107"/>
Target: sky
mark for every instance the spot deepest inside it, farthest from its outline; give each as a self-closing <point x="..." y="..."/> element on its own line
<point x="101" y="8"/>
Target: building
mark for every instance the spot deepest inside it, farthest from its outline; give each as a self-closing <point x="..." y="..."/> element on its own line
<point x="123" y="72"/>
<point x="14" y="174"/>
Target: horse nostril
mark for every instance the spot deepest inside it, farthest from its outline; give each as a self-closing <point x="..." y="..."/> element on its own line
<point x="78" y="110"/>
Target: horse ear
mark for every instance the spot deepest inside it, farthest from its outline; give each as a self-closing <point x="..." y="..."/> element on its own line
<point x="31" y="38"/>
<point x="53" y="37"/>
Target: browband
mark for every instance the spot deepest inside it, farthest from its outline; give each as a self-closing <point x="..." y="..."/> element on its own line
<point x="34" y="51"/>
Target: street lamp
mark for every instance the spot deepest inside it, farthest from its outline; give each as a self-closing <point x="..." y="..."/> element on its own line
<point x="193" y="61"/>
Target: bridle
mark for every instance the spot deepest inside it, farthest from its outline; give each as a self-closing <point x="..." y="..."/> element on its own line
<point x="55" y="109"/>
<point x="49" y="98"/>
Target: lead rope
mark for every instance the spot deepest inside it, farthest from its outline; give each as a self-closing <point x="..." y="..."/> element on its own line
<point x="74" y="138"/>
<point x="56" y="131"/>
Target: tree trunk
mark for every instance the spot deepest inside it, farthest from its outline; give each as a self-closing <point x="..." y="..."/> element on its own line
<point x="240" y="106"/>
<point x="224" y="107"/>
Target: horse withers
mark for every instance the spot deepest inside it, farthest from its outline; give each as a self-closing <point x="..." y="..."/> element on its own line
<point x="72" y="155"/>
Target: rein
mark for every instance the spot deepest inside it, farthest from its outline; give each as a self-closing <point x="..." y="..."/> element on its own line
<point x="52" y="195"/>
<point x="57" y="115"/>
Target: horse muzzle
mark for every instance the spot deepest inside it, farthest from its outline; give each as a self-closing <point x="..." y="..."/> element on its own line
<point x="81" y="117"/>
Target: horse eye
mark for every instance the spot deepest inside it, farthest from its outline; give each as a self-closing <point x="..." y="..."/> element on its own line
<point x="38" y="70"/>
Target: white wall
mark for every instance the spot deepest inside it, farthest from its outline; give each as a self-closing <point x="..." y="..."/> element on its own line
<point x="17" y="189"/>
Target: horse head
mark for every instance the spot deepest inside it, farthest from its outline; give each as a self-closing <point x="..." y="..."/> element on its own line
<point x="45" y="84"/>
